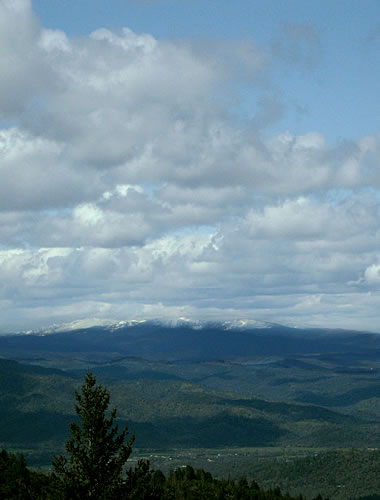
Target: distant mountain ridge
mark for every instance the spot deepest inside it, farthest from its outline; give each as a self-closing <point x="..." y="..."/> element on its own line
<point x="170" y="323"/>
<point x="184" y="340"/>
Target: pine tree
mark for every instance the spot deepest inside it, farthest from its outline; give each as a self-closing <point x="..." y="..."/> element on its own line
<point x="96" y="451"/>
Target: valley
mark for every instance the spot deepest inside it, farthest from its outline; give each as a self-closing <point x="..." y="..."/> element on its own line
<point x="244" y="410"/>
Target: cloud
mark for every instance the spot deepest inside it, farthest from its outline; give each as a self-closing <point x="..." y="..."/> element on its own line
<point x="25" y="74"/>
<point x="131" y="186"/>
<point x="34" y="174"/>
<point x="372" y="274"/>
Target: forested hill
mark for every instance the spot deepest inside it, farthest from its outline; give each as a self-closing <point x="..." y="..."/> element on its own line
<point x="242" y="395"/>
<point x="37" y="406"/>
<point x="155" y="341"/>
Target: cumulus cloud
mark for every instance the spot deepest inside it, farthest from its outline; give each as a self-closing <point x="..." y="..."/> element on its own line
<point x="372" y="274"/>
<point x="19" y="57"/>
<point x="129" y="188"/>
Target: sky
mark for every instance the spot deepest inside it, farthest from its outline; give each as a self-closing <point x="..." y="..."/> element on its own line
<point x="212" y="160"/>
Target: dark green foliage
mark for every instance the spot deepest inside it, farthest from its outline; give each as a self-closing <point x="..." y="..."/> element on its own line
<point x="17" y="427"/>
<point x="338" y="474"/>
<point x="195" y="484"/>
<point x="143" y="483"/>
<point x="370" y="497"/>
<point x="17" y="482"/>
<point x="297" y="412"/>
<point x="13" y="378"/>
<point x="185" y="483"/>
<point x="97" y="452"/>
<point x="14" y="476"/>
<point x="207" y="432"/>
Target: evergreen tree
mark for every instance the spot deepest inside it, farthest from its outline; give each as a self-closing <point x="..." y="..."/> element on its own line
<point x="145" y="484"/>
<point x="96" y="451"/>
<point x="17" y="482"/>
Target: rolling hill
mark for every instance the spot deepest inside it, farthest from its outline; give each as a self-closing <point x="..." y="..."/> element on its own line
<point x="230" y="390"/>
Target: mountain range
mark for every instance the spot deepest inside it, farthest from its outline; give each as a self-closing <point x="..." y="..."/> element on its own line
<point x="240" y="392"/>
<point x="184" y="340"/>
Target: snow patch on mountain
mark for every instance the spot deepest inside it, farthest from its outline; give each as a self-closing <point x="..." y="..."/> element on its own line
<point x="113" y="325"/>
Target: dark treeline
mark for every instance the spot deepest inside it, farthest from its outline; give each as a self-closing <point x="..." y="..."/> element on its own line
<point x="17" y="481"/>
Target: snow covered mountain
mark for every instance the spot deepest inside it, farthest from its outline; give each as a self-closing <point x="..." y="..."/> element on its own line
<point x="183" y="340"/>
<point x="112" y="325"/>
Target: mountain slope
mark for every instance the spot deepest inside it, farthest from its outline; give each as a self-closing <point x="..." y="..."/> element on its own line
<point x="183" y="342"/>
<point x="36" y="405"/>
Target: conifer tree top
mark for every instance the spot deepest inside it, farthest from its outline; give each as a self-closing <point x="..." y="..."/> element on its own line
<point x="96" y="450"/>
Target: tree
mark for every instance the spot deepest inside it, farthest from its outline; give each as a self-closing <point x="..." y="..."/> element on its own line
<point x="145" y="484"/>
<point x="97" y="452"/>
<point x="18" y="482"/>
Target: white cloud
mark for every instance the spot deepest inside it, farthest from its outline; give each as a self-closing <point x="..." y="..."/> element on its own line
<point x="128" y="186"/>
<point x="372" y="274"/>
<point x="36" y="174"/>
<point x="25" y="76"/>
<point x="302" y="219"/>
